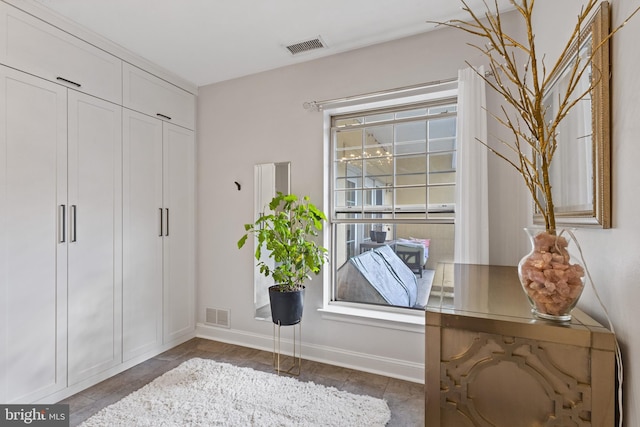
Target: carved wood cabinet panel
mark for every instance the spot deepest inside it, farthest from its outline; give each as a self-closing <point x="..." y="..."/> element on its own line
<point x="489" y="362"/>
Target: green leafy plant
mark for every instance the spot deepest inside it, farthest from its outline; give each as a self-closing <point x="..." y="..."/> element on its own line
<point x="287" y="234"/>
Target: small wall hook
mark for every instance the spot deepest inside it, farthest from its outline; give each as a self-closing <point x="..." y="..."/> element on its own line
<point x="237" y="185"/>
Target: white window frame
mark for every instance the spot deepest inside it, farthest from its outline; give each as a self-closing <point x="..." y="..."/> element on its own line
<point x="381" y="316"/>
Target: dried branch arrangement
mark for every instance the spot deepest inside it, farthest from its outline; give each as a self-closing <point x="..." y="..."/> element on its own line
<point x="524" y="86"/>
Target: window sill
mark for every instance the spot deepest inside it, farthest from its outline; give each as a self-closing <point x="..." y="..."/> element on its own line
<point x="376" y="318"/>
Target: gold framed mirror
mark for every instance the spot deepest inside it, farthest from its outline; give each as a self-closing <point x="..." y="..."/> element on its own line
<point x="581" y="168"/>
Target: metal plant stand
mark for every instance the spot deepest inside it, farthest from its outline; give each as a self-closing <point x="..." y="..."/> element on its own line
<point x="294" y="369"/>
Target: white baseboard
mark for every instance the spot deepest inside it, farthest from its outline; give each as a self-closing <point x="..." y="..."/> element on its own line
<point x="78" y="387"/>
<point x="394" y="368"/>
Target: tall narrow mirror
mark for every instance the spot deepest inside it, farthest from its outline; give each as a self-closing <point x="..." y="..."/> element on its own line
<point x="580" y="173"/>
<point x="269" y="179"/>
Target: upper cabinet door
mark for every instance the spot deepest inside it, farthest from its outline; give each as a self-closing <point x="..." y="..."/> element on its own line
<point x="150" y="95"/>
<point x="31" y="45"/>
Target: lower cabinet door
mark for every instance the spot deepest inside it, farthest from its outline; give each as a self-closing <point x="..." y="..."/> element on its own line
<point x="95" y="236"/>
<point x="33" y="254"/>
<point x="179" y="267"/>
<point x="143" y="233"/>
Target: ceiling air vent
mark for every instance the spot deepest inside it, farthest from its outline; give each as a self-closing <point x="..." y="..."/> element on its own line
<point x="306" y="46"/>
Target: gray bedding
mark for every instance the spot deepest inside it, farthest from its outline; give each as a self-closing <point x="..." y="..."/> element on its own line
<point x="377" y="276"/>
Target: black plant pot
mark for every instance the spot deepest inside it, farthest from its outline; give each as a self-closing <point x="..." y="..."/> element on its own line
<point x="380" y="236"/>
<point x="286" y="307"/>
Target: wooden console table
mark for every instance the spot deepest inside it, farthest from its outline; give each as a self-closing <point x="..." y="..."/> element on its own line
<point x="490" y="362"/>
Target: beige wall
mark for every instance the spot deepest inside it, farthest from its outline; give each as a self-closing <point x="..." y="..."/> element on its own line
<point x="612" y="255"/>
<point x="260" y="119"/>
<point x="441" y="238"/>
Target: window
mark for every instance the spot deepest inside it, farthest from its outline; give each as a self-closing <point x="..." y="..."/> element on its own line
<point x="393" y="191"/>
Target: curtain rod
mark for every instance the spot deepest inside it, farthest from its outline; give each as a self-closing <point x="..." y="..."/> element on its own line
<point x="319" y="105"/>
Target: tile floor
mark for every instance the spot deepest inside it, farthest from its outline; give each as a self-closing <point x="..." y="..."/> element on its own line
<point x="405" y="399"/>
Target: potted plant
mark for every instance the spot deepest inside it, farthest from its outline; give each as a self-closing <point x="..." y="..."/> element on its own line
<point x="378" y="233"/>
<point x="288" y="233"/>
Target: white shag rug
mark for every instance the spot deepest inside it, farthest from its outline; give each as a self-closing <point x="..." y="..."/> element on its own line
<point x="203" y="392"/>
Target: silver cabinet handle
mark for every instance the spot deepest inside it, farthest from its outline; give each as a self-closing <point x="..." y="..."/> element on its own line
<point x="160" y="235"/>
<point x="62" y="222"/>
<point x="73" y="215"/>
<point x="167" y="227"/>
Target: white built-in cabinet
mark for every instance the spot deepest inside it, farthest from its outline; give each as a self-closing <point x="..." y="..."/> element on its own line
<point x="97" y="214"/>
<point x="61" y="236"/>
<point x="159" y="188"/>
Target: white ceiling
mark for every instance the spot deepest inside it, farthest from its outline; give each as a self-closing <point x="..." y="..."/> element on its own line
<point x="207" y="41"/>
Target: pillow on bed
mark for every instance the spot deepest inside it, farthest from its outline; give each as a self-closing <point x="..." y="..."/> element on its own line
<point x="413" y="240"/>
<point x="425" y="242"/>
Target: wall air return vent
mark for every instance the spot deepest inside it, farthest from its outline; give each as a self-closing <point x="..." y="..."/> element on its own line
<point x="217" y="317"/>
<point x="306" y="46"/>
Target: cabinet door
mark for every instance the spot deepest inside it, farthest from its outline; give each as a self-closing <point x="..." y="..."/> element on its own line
<point x="179" y="200"/>
<point x="142" y="234"/>
<point x="150" y="95"/>
<point x="31" y="45"/>
<point x="33" y="144"/>
<point x="95" y="236"/>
